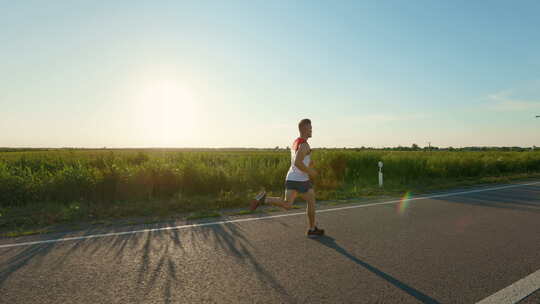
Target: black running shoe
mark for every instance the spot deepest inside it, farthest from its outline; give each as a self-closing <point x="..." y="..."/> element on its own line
<point x="258" y="200"/>
<point x="315" y="232"/>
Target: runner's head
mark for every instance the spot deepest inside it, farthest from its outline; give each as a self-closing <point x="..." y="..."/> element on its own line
<point x="304" y="126"/>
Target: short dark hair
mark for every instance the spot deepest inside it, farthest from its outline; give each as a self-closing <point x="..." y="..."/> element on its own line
<point x="303" y="122"/>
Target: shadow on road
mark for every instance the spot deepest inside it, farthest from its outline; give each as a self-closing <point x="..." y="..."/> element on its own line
<point x="331" y="243"/>
<point x="230" y="238"/>
<point x="157" y="261"/>
<point x="20" y="258"/>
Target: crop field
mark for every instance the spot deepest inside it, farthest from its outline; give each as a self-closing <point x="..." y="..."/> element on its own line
<point x="45" y="187"/>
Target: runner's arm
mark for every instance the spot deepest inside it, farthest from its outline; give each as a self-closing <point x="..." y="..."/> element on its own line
<point x="299" y="162"/>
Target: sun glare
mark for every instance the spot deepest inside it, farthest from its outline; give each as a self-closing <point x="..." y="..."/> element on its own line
<point x="166" y="113"/>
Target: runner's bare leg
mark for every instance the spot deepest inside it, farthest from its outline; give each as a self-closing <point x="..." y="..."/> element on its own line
<point x="310" y="200"/>
<point x="286" y="203"/>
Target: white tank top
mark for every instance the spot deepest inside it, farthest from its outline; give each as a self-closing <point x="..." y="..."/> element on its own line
<point x="295" y="174"/>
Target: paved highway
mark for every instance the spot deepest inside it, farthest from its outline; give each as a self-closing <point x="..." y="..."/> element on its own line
<point x="461" y="246"/>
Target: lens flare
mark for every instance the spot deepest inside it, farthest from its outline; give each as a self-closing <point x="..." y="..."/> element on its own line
<point x="404" y="203"/>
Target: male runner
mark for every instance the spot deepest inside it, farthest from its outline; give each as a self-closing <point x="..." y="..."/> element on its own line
<point x="297" y="180"/>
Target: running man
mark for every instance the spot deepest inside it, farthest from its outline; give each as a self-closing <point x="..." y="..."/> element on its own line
<point x="297" y="180"/>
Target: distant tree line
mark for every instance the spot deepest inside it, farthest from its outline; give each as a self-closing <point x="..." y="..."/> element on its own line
<point x="413" y="147"/>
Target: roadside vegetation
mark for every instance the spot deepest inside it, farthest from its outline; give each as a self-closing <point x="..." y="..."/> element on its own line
<point x="40" y="188"/>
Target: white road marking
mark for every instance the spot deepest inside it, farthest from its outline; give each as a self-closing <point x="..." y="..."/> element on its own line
<point x="515" y="292"/>
<point x="257" y="218"/>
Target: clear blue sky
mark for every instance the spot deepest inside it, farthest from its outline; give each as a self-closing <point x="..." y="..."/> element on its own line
<point x="243" y="73"/>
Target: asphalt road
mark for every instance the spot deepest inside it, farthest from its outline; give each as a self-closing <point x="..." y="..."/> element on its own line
<point x="459" y="248"/>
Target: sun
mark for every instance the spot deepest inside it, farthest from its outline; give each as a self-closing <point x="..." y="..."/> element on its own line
<point x="166" y="113"/>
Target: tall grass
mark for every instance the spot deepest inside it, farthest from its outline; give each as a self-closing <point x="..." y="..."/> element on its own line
<point x="103" y="177"/>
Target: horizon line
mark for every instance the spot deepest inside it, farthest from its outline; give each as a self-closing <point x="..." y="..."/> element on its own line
<point x="252" y="148"/>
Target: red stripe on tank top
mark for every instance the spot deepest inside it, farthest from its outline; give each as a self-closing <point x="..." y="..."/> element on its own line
<point x="298" y="142"/>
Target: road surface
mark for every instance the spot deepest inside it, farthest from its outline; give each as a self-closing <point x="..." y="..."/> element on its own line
<point x="461" y="246"/>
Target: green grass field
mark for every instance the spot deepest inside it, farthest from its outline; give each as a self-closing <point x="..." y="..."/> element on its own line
<point x="39" y="188"/>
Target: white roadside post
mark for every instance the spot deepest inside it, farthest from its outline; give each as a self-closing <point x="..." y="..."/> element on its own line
<point x="380" y="174"/>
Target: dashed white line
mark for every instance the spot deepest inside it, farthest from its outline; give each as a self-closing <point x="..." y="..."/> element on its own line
<point x="257" y="218"/>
